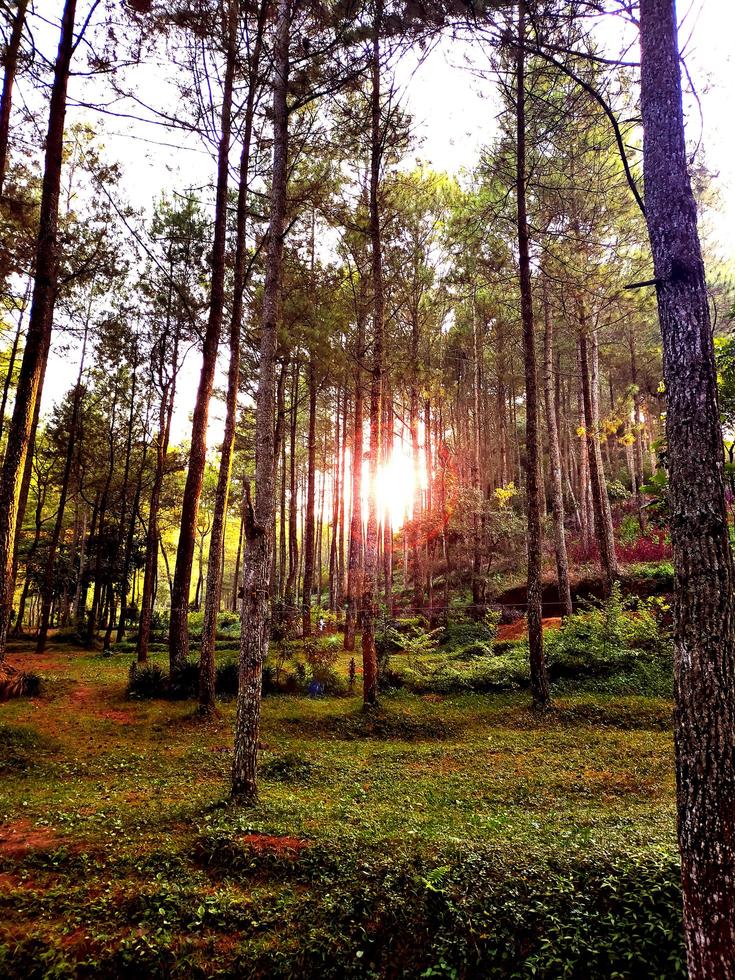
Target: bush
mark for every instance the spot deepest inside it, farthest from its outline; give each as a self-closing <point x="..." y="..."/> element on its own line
<point x="481" y="674"/>
<point x="147" y="681"/>
<point x="18" y="683"/>
<point x="456" y="636"/>
<point x="183" y="682"/>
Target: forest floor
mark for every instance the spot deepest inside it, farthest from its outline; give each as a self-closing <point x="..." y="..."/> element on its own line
<point x="440" y="836"/>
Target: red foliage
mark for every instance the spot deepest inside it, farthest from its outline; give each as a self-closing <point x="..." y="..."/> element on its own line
<point x="651" y="546"/>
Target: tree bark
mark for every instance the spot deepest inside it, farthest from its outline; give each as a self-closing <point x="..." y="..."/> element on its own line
<point x="48" y="581"/>
<point x="255" y="628"/>
<point x="354" y="550"/>
<point x="602" y="520"/>
<point x="704" y="637"/>
<point x="222" y="494"/>
<point x="540" y="694"/>
<point x="370" y="583"/>
<point x="38" y="339"/>
<point x="293" y="531"/>
<point x="178" y="642"/>
<point x="309" y="531"/>
<point x="557" y="491"/>
<point x="10" y="65"/>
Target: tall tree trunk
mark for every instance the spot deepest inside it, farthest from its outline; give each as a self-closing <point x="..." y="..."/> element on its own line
<point x="234" y="601"/>
<point x="222" y="494"/>
<point x="11" y="361"/>
<point x="478" y="586"/>
<point x="178" y="641"/>
<point x="603" y="527"/>
<point x="293" y="531"/>
<point x="255" y="629"/>
<point x="342" y="513"/>
<point x="47" y="590"/>
<point x="387" y="424"/>
<point x="539" y="678"/>
<point x="128" y="552"/>
<point x="704" y="638"/>
<point x="637" y="473"/>
<point x="370" y="583"/>
<point x="10" y="66"/>
<point x="309" y="530"/>
<point x="336" y="496"/>
<point x="354" y="551"/>
<point x="38" y="339"/>
<point x="557" y="492"/>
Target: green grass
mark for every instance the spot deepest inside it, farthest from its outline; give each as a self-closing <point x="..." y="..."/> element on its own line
<point x="461" y="835"/>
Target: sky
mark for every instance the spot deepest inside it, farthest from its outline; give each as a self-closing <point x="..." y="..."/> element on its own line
<point x="454" y="117"/>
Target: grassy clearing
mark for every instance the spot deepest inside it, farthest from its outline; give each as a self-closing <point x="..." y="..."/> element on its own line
<point x="456" y="835"/>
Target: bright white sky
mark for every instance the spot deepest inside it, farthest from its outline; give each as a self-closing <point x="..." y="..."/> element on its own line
<point x="454" y="117"/>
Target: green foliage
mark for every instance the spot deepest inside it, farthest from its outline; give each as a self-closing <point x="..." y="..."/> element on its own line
<point x="630" y="529"/>
<point x="661" y="572"/>
<point x="150" y="681"/>
<point x="657" y="489"/>
<point x="621" y="639"/>
<point x="617" y="491"/>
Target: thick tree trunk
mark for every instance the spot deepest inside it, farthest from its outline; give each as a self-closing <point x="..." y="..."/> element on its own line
<point x="178" y="641"/>
<point x="255" y="628"/>
<point x="539" y="678"/>
<point x="704" y="640"/>
<point x="557" y="493"/>
<point x="38" y="339"/>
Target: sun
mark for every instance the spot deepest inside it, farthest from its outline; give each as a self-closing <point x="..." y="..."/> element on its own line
<point x="396" y="487"/>
<point x="397" y="482"/>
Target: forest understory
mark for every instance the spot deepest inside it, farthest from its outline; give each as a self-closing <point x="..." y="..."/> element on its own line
<point x="450" y="832"/>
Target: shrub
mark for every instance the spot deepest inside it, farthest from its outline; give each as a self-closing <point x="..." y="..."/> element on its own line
<point x="183" y="682"/>
<point x="328" y="681"/>
<point x="319" y="654"/>
<point x="147" y="681"/>
<point x="18" y="683"/>
<point x="456" y="636"/>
